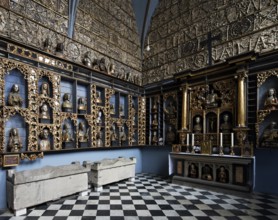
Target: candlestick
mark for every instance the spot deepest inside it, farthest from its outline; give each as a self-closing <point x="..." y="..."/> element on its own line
<point x="221" y="139"/>
<point x="192" y="139"/>
<point x="232" y="139"/>
<point x="187" y="139"/>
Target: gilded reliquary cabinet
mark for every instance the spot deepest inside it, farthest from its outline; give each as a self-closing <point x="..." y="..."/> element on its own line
<point x="48" y="105"/>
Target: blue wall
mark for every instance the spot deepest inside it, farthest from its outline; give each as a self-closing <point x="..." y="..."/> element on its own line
<point x="266" y="179"/>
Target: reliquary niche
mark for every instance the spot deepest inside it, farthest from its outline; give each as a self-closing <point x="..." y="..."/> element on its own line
<point x="267" y="110"/>
<point x="44" y="111"/>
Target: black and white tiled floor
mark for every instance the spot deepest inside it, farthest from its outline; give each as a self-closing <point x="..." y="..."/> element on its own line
<point x="151" y="197"/>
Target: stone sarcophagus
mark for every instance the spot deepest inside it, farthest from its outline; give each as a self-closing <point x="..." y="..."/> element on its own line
<point x="32" y="187"/>
<point x="110" y="170"/>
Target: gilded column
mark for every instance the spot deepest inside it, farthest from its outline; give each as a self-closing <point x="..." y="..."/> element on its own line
<point x="184" y="108"/>
<point x="241" y="117"/>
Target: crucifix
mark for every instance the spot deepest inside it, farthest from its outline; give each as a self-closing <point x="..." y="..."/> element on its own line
<point x="208" y="42"/>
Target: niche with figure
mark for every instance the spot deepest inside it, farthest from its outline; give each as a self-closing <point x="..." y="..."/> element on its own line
<point x="83" y="132"/>
<point x="45" y="88"/>
<point x="123" y="135"/>
<point x="45" y="114"/>
<point x="114" y="138"/>
<point x="16" y="94"/>
<point x="68" y="96"/>
<point x="45" y="139"/>
<point x="211" y="122"/>
<point x="193" y="170"/>
<point x="123" y="106"/>
<point x="16" y="134"/>
<point x="82" y="97"/>
<point x="222" y="174"/>
<point x="100" y="96"/>
<point x="207" y="172"/>
<point x="113" y="107"/>
<point x="68" y="134"/>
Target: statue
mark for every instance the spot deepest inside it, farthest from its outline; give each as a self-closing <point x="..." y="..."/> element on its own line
<point x="99" y="118"/>
<point x="211" y="99"/>
<point x="122" y="134"/>
<point x="192" y="171"/>
<point x="197" y="127"/>
<point x="66" y="134"/>
<point x="44" y="142"/>
<point x="67" y="105"/>
<point x="113" y="136"/>
<point x="45" y="89"/>
<point x="14" y="143"/>
<point x="222" y="175"/>
<point x="112" y="109"/>
<point x="170" y="110"/>
<point x="82" y="107"/>
<point x="14" y="98"/>
<point x="170" y="136"/>
<point x="155" y="121"/>
<point x="102" y="65"/>
<point x="87" y="61"/>
<point x="122" y="112"/>
<point x="82" y="134"/>
<point x="99" y="139"/>
<point x="154" y="138"/>
<point x="271" y="102"/>
<point x="270" y="136"/>
<point x="98" y="97"/>
<point x="44" y="112"/>
<point x="226" y="126"/>
<point x="154" y="107"/>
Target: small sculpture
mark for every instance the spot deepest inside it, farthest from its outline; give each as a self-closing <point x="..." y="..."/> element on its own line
<point x="14" y="98"/>
<point x="155" y="121"/>
<point x="87" y="61"/>
<point x="222" y="176"/>
<point x="122" y="112"/>
<point x="170" y="109"/>
<point x="170" y="136"/>
<point x="154" y="138"/>
<point x="60" y="49"/>
<point x="45" y="89"/>
<point x="133" y="121"/>
<point x="66" y="134"/>
<point x="67" y="105"/>
<point x="122" y="134"/>
<point x="99" y="139"/>
<point x="44" y="142"/>
<point x="154" y="107"/>
<point x="102" y="65"/>
<point x="197" y="127"/>
<point x="82" y="134"/>
<point x="211" y="99"/>
<point x="113" y="136"/>
<point x="226" y="126"/>
<point x="271" y="102"/>
<point x="99" y="118"/>
<point x="98" y="97"/>
<point x="112" y="109"/>
<point x="82" y="107"/>
<point x="192" y="171"/>
<point x="270" y="136"/>
<point x="14" y="143"/>
<point x="44" y="114"/>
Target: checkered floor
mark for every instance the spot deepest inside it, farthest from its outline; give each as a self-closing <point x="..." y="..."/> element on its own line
<point x="151" y="197"/>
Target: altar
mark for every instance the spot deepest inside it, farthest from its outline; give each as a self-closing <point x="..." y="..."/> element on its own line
<point x="221" y="171"/>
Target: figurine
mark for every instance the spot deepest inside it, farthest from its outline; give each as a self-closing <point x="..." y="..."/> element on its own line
<point x="154" y="108"/>
<point x="45" y="89"/>
<point x="270" y="136"/>
<point x="133" y="121"/>
<point x="155" y="122"/>
<point x="66" y="134"/>
<point x="122" y="134"/>
<point x="197" y="127"/>
<point x="60" y="49"/>
<point x="154" y="138"/>
<point x="82" y="104"/>
<point x="271" y="102"/>
<point x="14" y="143"/>
<point x="113" y="136"/>
<point x="102" y="65"/>
<point x="170" y="136"/>
<point x="122" y="112"/>
<point x="112" y="109"/>
<point x="206" y="174"/>
<point x="87" y="61"/>
<point x="226" y="126"/>
<point x="99" y="118"/>
<point x="192" y="171"/>
<point x="44" y="143"/>
<point x="44" y="114"/>
<point x="222" y="176"/>
<point x="82" y="134"/>
<point x="14" y="98"/>
<point x="211" y="100"/>
<point x="98" y="97"/>
<point x="67" y="105"/>
<point x="99" y="139"/>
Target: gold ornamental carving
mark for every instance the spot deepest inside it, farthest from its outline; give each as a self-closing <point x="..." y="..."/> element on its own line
<point x="262" y="77"/>
<point x="31" y="157"/>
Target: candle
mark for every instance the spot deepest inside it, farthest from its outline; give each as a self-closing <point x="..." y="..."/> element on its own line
<point x="232" y="139"/>
<point x="221" y="139"/>
<point x="187" y="139"/>
<point x="192" y="139"/>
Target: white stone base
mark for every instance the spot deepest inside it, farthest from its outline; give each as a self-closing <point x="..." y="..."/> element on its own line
<point x="20" y="212"/>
